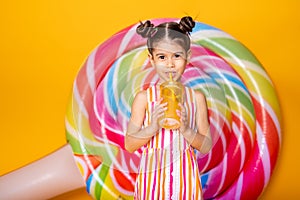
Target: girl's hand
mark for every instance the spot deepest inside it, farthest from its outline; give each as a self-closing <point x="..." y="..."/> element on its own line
<point x="183" y="118"/>
<point x="158" y="111"/>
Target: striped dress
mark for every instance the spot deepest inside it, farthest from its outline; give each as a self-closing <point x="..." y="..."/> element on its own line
<point x="168" y="168"/>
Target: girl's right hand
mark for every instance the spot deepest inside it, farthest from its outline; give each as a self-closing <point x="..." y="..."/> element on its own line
<point x="158" y="111"/>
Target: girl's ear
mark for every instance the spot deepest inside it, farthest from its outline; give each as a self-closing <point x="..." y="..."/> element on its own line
<point x="188" y="56"/>
<point x="151" y="59"/>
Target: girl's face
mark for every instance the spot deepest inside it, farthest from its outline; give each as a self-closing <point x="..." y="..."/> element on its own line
<point x="169" y="58"/>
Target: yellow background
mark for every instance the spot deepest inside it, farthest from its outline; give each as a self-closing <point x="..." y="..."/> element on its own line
<point x="43" y="44"/>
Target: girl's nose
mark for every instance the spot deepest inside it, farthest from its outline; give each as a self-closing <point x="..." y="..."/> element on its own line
<point x="170" y="63"/>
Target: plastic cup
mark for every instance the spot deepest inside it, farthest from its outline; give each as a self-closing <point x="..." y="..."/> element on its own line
<point x="172" y="93"/>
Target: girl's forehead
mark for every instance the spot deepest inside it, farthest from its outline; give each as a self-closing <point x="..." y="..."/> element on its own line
<point x="170" y="46"/>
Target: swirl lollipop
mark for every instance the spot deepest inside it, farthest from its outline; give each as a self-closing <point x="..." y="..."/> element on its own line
<point x="243" y="109"/>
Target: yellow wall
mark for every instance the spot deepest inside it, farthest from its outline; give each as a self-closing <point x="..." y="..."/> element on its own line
<point x="43" y="44"/>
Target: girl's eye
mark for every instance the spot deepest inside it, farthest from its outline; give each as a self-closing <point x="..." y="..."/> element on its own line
<point x="161" y="57"/>
<point x="177" y="55"/>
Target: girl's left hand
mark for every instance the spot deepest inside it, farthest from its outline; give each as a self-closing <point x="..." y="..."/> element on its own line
<point x="183" y="118"/>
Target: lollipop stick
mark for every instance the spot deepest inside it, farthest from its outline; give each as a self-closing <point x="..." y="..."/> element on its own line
<point x="48" y="177"/>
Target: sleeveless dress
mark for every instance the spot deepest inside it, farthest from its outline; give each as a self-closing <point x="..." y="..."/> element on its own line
<point x="168" y="168"/>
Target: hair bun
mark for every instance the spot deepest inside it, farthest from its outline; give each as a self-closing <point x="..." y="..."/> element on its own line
<point x="145" y="29"/>
<point x="187" y="24"/>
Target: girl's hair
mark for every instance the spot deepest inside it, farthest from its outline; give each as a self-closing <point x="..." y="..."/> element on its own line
<point x="177" y="32"/>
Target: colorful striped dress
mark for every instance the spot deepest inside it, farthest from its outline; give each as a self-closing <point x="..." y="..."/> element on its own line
<point x="168" y="168"/>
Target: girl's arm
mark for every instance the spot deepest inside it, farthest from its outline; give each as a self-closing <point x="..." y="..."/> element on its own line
<point x="136" y="136"/>
<point x="201" y="140"/>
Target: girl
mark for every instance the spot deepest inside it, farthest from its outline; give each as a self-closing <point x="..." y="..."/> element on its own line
<point x="168" y="168"/>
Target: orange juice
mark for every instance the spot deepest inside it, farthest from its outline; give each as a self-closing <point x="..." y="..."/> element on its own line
<point x="171" y="92"/>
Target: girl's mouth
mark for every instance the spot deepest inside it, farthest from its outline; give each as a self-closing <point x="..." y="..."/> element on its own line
<point x="173" y="74"/>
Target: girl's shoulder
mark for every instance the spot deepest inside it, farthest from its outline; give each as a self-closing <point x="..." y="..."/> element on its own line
<point x="139" y="102"/>
<point x="143" y="93"/>
<point x="199" y="94"/>
<point x="141" y="96"/>
<point x="200" y="97"/>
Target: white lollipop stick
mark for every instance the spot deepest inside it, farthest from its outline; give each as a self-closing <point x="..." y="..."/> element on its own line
<point x="48" y="177"/>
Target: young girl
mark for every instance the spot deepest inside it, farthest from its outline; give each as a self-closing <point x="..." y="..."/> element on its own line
<point x="168" y="168"/>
